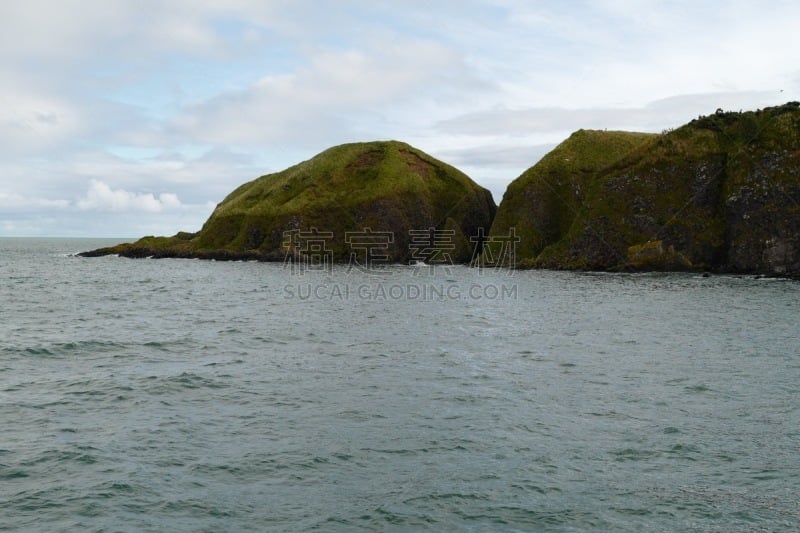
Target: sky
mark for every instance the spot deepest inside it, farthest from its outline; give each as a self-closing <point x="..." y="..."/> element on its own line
<point x="130" y="118"/>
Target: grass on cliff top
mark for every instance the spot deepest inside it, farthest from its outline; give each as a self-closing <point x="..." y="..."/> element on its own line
<point x="345" y="175"/>
<point x="591" y="150"/>
<point x="544" y="201"/>
<point x="584" y="152"/>
<point x="383" y="185"/>
<point x="680" y="176"/>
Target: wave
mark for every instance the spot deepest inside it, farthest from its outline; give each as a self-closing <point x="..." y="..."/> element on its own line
<point x="61" y="349"/>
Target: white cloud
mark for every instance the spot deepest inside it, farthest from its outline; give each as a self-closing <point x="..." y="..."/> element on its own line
<point x="18" y="202"/>
<point x="335" y="96"/>
<point x="71" y="30"/>
<point x="226" y="91"/>
<point x="495" y="156"/>
<point x="32" y="120"/>
<point x="102" y="197"/>
<point x="627" y="52"/>
<point x="654" y="116"/>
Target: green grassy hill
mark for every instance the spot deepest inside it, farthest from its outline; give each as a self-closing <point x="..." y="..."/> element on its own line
<point x="542" y="204"/>
<point x="385" y="186"/>
<point x="721" y="193"/>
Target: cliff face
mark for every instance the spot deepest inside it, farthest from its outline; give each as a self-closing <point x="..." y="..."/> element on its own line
<point x="388" y="187"/>
<point x="721" y="193"/>
<point x="542" y="204"/>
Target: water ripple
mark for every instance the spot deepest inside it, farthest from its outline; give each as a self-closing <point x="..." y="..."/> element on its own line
<point x="193" y="396"/>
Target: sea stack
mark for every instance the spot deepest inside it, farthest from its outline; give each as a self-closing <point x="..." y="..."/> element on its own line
<point x="387" y="188"/>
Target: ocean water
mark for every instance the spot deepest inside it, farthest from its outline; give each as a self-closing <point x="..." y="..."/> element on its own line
<point x="180" y="395"/>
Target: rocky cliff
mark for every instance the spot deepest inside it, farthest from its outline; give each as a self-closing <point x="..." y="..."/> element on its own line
<point x="721" y="193"/>
<point x="351" y="199"/>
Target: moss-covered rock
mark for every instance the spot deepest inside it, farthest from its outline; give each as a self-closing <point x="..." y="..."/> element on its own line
<point x="721" y="193"/>
<point x="542" y="204"/>
<point x="386" y="187"/>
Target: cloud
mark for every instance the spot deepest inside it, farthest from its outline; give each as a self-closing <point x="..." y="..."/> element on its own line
<point x="18" y="202"/>
<point x="655" y="116"/>
<point x="499" y="156"/>
<point x="191" y="184"/>
<point x="102" y="197"/>
<point x="195" y="177"/>
<point x="335" y="96"/>
<point x="195" y="97"/>
<point x="494" y="166"/>
<point x="71" y="30"/>
<point x="32" y="120"/>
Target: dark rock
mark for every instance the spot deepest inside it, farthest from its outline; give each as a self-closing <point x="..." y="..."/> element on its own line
<point x="720" y="194"/>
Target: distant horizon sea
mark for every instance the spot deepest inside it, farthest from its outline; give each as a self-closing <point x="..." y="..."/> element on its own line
<point x="186" y="395"/>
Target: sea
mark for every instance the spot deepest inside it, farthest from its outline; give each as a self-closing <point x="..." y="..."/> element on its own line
<point x="184" y="395"/>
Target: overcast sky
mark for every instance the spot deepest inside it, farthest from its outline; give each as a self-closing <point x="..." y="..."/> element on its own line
<point x="127" y="118"/>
